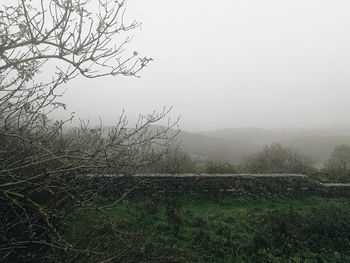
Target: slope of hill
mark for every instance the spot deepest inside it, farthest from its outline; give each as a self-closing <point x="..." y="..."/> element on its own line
<point x="317" y="143"/>
<point x="246" y="134"/>
<point x="215" y="149"/>
<point x="232" y="145"/>
<point x="319" y="147"/>
<point x="207" y="148"/>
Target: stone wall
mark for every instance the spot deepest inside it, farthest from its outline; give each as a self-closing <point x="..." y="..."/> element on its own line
<point x="262" y="185"/>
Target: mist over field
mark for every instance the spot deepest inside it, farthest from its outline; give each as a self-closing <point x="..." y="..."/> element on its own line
<point x="239" y="74"/>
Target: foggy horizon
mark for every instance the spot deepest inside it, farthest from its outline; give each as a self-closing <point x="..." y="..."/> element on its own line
<point x="271" y="64"/>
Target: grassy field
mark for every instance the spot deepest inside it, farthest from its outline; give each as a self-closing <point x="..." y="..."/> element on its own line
<point x="191" y="229"/>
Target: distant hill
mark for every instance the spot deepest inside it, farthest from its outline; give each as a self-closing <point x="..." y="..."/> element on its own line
<point x="319" y="147"/>
<point x="317" y="143"/>
<point x="216" y="149"/>
<point x="246" y="134"/>
<point x="233" y="144"/>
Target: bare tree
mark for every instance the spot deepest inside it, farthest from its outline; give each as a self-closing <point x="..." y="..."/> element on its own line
<point x="41" y="163"/>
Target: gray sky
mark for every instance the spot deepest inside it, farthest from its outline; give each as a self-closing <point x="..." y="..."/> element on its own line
<point x="229" y="63"/>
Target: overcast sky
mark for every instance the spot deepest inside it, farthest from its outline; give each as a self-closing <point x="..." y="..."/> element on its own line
<point x="229" y="63"/>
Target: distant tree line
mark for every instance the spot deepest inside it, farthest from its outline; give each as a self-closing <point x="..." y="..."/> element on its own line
<point x="274" y="158"/>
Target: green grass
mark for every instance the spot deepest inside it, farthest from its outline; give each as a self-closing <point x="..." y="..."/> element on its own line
<point x="191" y="229"/>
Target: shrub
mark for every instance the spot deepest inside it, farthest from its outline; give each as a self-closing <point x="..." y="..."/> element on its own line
<point x="220" y="168"/>
<point x="175" y="163"/>
<point x="277" y="159"/>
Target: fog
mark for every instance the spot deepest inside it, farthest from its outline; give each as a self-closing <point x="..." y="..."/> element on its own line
<point x="229" y="63"/>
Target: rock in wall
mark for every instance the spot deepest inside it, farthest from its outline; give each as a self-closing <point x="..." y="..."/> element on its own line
<point x="257" y="185"/>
